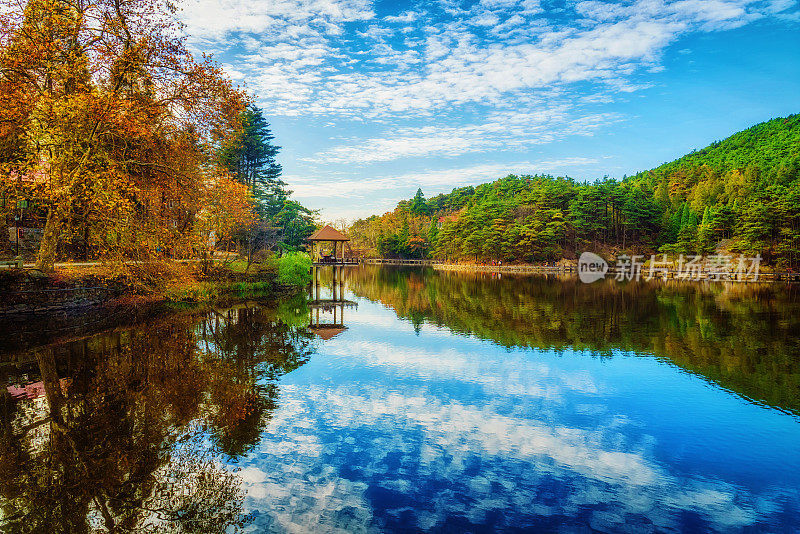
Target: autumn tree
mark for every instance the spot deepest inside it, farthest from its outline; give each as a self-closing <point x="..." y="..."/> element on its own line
<point x="227" y="206"/>
<point x="114" y="117"/>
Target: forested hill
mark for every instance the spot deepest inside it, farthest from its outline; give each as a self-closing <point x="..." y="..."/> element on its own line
<point x="768" y="145"/>
<point x="742" y="192"/>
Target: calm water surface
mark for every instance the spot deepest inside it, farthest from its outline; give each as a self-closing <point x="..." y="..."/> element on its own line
<point x="429" y="402"/>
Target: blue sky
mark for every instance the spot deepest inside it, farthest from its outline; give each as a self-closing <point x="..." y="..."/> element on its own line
<point x="371" y="100"/>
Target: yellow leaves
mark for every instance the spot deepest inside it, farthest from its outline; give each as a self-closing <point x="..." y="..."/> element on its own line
<point x="104" y="106"/>
<point x="227" y="207"/>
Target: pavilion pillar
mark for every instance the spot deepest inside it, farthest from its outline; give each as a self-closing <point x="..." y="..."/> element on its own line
<point x="334" y="282"/>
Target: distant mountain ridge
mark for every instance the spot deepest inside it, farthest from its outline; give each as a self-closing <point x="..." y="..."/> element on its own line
<point x="744" y="189"/>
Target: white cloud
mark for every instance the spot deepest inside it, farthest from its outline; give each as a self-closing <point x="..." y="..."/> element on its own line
<point x="408" y="16"/>
<point x="493" y="77"/>
<point x="501" y="132"/>
<point x="436" y="179"/>
<point x="455" y="62"/>
<point x="217" y="19"/>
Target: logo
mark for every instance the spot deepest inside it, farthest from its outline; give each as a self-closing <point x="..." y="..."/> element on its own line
<point x="591" y="268"/>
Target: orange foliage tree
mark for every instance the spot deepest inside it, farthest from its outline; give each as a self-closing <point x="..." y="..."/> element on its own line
<point x="104" y="107"/>
<point x="228" y="206"/>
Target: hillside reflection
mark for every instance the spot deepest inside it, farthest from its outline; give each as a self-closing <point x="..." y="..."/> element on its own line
<point x="128" y="430"/>
<point x="745" y="338"/>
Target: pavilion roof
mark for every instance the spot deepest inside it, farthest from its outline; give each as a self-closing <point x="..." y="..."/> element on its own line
<point x="328" y="233"/>
<point x="328" y="332"/>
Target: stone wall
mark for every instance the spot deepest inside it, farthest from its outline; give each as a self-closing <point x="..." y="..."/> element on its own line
<point x="23" y="294"/>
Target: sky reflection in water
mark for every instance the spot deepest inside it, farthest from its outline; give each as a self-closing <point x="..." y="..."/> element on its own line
<point x="388" y="428"/>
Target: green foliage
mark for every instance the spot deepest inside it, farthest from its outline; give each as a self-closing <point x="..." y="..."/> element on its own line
<point x="745" y="189"/>
<point x="294" y="312"/>
<point x="204" y="292"/>
<point x="294" y="269"/>
<point x="296" y="223"/>
<point x="771" y="147"/>
<point x="194" y="292"/>
<point x="285" y="223"/>
<point x="251" y="159"/>
<point x="252" y="289"/>
<point x="418" y="205"/>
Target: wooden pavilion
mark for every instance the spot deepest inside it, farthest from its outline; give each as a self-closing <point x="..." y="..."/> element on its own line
<point x="328" y="234"/>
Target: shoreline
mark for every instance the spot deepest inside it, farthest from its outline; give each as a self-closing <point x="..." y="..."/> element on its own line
<point x="54" y="326"/>
<point x="764" y="276"/>
<point x="26" y="296"/>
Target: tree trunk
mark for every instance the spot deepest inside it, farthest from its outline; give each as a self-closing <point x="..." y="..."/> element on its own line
<point x="4" y="238"/>
<point x="49" y="245"/>
<point x="52" y="385"/>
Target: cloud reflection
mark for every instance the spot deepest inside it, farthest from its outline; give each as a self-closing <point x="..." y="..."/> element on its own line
<point x="413" y="445"/>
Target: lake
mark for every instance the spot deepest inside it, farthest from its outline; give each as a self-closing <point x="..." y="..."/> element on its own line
<point x="408" y="400"/>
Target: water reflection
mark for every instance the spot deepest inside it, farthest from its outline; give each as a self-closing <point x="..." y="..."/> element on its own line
<point x="327" y="302"/>
<point x="128" y="430"/>
<point x="440" y="403"/>
<point x="744" y="337"/>
<point x="400" y="425"/>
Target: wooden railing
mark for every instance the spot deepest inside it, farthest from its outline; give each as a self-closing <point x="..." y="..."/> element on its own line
<point x="472" y="267"/>
<point x="390" y="261"/>
<point x="15" y="263"/>
<point x="338" y="262"/>
<point x="509" y="269"/>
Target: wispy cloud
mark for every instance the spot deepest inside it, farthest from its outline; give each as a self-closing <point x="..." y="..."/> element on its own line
<point x="501" y="132"/>
<point x="361" y="194"/>
<point x="302" y="52"/>
<point x="271" y="20"/>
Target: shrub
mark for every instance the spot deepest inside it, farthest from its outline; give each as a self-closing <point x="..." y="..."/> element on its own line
<point x="251" y="289"/>
<point x="294" y="269"/>
<point x="194" y="292"/>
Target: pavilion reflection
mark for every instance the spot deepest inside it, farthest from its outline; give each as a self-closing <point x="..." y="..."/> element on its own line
<point x="327" y="303"/>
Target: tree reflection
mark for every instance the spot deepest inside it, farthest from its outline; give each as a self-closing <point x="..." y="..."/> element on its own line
<point x="744" y="337"/>
<point x="131" y="428"/>
<point x="246" y="348"/>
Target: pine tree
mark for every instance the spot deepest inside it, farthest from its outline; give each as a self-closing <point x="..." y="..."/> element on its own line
<point x="433" y="234"/>
<point x="251" y="159"/>
<point x="418" y="205"/>
<point x="705" y="233"/>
